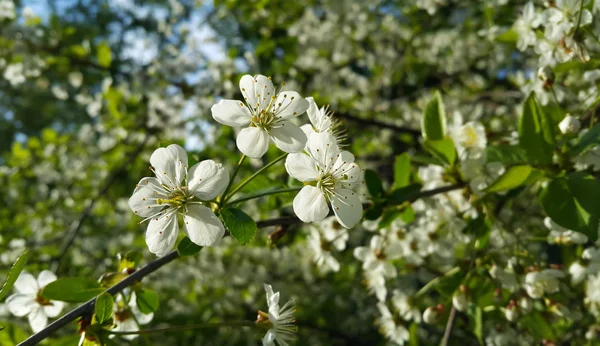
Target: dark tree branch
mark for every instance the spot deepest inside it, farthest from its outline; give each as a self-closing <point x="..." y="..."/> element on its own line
<point x="375" y="123"/>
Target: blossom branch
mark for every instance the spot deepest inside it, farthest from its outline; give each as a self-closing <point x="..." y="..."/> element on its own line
<point x="449" y="327"/>
<point x="370" y="122"/>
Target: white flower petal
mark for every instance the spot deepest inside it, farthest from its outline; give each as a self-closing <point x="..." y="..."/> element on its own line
<point x="257" y="91"/>
<point x="253" y="142"/>
<point x="37" y="319"/>
<point x="288" y="137"/>
<point x="313" y="111"/>
<point x="289" y="104"/>
<point x="127" y="325"/>
<point x="20" y="304"/>
<point x="143" y="201"/>
<point x="301" y="167"/>
<point x="308" y="130"/>
<point x="347" y="207"/>
<point x="323" y="148"/>
<point x="207" y="179"/>
<point x="54" y="308"/>
<point x="310" y="204"/>
<point x="202" y="226"/>
<point x="162" y="233"/>
<point x="269" y="338"/>
<point x="45" y="278"/>
<point x="26" y="284"/>
<point x="170" y="164"/>
<point x="361" y="253"/>
<point x="231" y="112"/>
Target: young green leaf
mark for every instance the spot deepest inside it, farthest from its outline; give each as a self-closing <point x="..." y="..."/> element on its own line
<point x="514" y="177"/>
<point x="187" y="248"/>
<point x="374" y="184"/>
<point x="13" y="274"/>
<point x="72" y="290"/>
<point x="146" y="300"/>
<point x="241" y="226"/>
<point x="104" y="307"/>
<point x="570" y="202"/>
<point x="402" y="170"/>
<point x="536" y="132"/>
<point x="433" y="121"/>
<point x="104" y="55"/>
<point x="508" y="155"/>
<point x="590" y="139"/>
<point x="442" y="149"/>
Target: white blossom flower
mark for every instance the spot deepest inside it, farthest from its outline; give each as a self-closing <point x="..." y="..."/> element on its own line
<point x="460" y="299"/>
<point x="538" y="283"/>
<point x="377" y="257"/>
<point x="559" y="20"/>
<point x="322" y="120"/>
<point x="75" y="79"/>
<point x="59" y="92"/>
<point x="279" y="320"/>
<point x="7" y="9"/>
<point x="323" y="240"/>
<point x="393" y="331"/>
<point x="28" y="300"/>
<point x="265" y="114"/>
<point x="469" y="138"/>
<point x="329" y="176"/>
<point x="592" y="295"/>
<point x="569" y="125"/>
<point x="431" y="314"/>
<point x="172" y="192"/>
<point x="375" y="282"/>
<point x="128" y="317"/>
<point x="525" y="25"/>
<point x="14" y="73"/>
<point x="406" y="310"/>
<point x="562" y="236"/>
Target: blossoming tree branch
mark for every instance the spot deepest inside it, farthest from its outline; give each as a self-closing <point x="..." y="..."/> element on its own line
<point x="428" y="174"/>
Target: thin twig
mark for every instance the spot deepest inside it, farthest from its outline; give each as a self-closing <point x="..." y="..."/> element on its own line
<point x="379" y="124"/>
<point x="449" y="326"/>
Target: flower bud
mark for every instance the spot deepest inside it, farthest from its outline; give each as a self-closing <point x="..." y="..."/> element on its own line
<point x="569" y="125"/>
<point x="511" y="312"/>
<point x="460" y="300"/>
<point x="546" y="75"/>
<point x="431" y="315"/>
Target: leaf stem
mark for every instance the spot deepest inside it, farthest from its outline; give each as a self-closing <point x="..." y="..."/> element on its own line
<point x="433" y="282"/>
<point x="265" y="193"/>
<point x="187" y="327"/>
<point x="232" y="178"/>
<point x="250" y="178"/>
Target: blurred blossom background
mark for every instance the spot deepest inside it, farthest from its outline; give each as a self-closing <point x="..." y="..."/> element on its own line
<point x="90" y="88"/>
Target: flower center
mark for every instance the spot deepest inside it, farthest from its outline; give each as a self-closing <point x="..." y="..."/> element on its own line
<point x="326" y="182"/>
<point x="265" y="119"/>
<point x="469" y="137"/>
<point x="122" y="315"/>
<point x="41" y="300"/>
<point x="176" y="198"/>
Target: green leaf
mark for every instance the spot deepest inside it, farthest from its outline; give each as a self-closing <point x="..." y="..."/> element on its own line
<point x="104" y="307"/>
<point x="442" y="149"/>
<point x="590" y="139"/>
<point x="413" y="334"/>
<point x="146" y="300"/>
<point x="241" y="226"/>
<point x="478" y="328"/>
<point x="481" y="228"/>
<point x="538" y="326"/>
<point x="514" y="177"/>
<point x="374" y="184"/>
<point x="433" y="121"/>
<point x="509" y="36"/>
<point x="72" y="290"/>
<point x="187" y="248"/>
<point x="104" y="55"/>
<point x="404" y="194"/>
<point x="508" y="155"/>
<point x="388" y="217"/>
<point x="536" y="132"/>
<point x="374" y="212"/>
<point x="570" y="202"/>
<point x="13" y="274"/>
<point x="402" y="170"/>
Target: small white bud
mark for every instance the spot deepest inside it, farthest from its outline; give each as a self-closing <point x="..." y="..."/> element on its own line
<point x="525" y="304"/>
<point x="511" y="312"/>
<point x="460" y="300"/>
<point x="569" y="125"/>
<point x="430" y="315"/>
